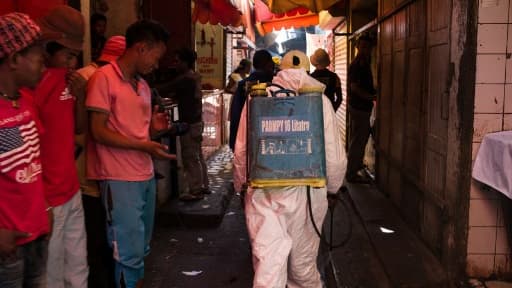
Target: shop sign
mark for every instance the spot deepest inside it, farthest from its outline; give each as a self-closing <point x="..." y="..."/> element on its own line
<point x="210" y="55"/>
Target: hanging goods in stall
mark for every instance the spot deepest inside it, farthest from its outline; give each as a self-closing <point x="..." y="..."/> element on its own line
<point x="286" y="141"/>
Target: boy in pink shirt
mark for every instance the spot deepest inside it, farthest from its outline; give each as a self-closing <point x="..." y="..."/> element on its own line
<point x="99" y="254"/>
<point x="121" y="122"/>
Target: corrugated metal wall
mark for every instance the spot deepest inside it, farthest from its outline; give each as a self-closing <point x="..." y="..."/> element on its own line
<point x="229" y="56"/>
<point x="341" y="68"/>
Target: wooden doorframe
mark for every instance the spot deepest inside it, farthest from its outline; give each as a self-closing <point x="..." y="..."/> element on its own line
<point x="460" y="133"/>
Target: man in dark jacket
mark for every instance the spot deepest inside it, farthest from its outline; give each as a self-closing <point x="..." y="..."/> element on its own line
<point x="320" y="59"/>
<point x="360" y="105"/>
<point x="264" y="72"/>
<point x="187" y="93"/>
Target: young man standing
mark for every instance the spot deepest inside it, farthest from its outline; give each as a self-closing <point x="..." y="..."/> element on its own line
<point x="99" y="254"/>
<point x="186" y="91"/>
<point x="320" y="59"/>
<point x="98" y="39"/>
<point x="121" y="123"/>
<point x="23" y="211"/>
<point x="360" y="105"/>
<point x="59" y="102"/>
<point x="263" y="72"/>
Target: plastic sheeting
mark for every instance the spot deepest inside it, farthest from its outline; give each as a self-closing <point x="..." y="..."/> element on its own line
<point x="493" y="162"/>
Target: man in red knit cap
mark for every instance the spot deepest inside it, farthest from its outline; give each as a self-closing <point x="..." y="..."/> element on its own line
<point x="23" y="210"/>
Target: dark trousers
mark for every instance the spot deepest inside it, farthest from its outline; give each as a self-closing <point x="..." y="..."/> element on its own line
<point x="99" y="253"/>
<point x="193" y="159"/>
<point x="26" y="268"/>
<point x="359" y="134"/>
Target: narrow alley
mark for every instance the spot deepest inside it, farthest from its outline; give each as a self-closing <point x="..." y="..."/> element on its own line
<point x="143" y="141"/>
<point x="206" y="244"/>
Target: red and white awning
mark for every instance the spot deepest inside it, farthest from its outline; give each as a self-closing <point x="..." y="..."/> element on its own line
<point x="266" y="21"/>
<point x="315" y="6"/>
<point x="216" y="12"/>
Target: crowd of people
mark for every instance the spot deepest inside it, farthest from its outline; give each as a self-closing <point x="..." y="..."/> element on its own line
<point x="52" y="217"/>
<point x="285" y="245"/>
<point x="359" y="106"/>
<point x="78" y="196"/>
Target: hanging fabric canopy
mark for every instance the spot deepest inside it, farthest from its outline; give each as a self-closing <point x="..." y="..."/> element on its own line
<point x="266" y="21"/>
<point x="315" y="6"/>
<point x="246" y="8"/>
<point x="216" y="12"/>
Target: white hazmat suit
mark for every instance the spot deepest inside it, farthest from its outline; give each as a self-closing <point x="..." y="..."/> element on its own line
<point x="284" y="242"/>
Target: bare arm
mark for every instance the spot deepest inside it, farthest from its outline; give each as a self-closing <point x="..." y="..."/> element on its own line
<point x="159" y="123"/>
<point x="106" y="136"/>
<point x="8" y="241"/>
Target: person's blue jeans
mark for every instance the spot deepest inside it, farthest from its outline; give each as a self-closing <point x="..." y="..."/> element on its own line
<point x="130" y="210"/>
<point x="26" y="268"/>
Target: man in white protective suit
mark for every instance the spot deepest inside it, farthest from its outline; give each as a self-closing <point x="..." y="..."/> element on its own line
<point x="284" y="242"/>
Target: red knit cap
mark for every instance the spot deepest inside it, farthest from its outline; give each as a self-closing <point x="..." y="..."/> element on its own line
<point x="113" y="49"/>
<point x="17" y="32"/>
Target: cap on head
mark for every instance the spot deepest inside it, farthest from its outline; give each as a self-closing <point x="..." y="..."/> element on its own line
<point x="17" y="32"/>
<point x="113" y="49"/>
<point x="320" y="58"/>
<point x="295" y="59"/>
<point x="63" y="25"/>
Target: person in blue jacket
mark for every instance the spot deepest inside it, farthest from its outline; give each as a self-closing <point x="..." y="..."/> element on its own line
<point x="263" y="72"/>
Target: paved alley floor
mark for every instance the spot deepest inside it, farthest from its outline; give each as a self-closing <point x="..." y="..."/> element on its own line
<point x="205" y="244"/>
<point x="220" y="257"/>
<point x="212" y="253"/>
<point x="186" y="255"/>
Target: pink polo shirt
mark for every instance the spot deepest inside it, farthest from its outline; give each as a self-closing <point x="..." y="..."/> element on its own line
<point x="130" y="115"/>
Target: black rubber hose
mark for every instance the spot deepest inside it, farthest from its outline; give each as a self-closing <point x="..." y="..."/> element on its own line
<point x="318" y="232"/>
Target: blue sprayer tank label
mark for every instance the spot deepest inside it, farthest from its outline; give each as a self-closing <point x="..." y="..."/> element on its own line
<point x="286" y="141"/>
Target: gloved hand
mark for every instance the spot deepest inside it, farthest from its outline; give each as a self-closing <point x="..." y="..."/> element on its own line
<point x="332" y="199"/>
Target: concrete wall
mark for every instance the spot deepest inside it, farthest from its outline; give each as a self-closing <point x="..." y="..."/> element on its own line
<point x="488" y="252"/>
<point x="85" y="8"/>
<point x="120" y="15"/>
